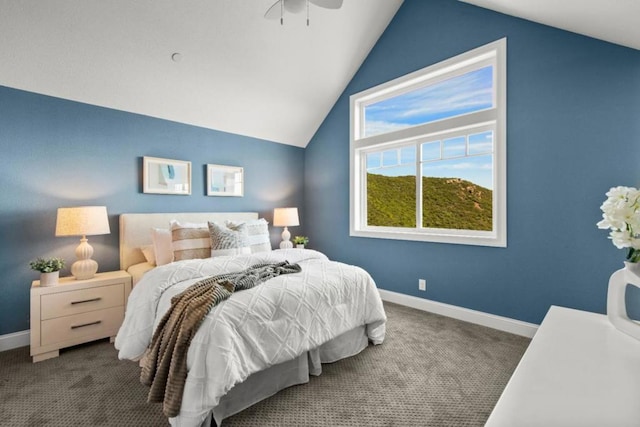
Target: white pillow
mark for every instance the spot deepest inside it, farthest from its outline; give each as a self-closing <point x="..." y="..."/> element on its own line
<point x="190" y="241"/>
<point x="258" y="234"/>
<point x="162" y="248"/>
<point x="149" y="254"/>
<point x="228" y="239"/>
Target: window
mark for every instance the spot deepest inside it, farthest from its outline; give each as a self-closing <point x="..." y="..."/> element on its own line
<point x="428" y="153"/>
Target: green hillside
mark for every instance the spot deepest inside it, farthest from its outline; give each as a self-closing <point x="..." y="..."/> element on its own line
<point x="447" y="203"/>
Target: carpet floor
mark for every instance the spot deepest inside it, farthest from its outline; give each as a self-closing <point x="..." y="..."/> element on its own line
<point x="430" y="371"/>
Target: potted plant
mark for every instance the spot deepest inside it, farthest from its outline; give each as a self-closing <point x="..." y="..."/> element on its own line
<point x="49" y="269"/>
<point x="300" y="241"/>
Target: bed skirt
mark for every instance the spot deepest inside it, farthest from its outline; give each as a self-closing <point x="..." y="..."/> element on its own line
<point x="264" y="384"/>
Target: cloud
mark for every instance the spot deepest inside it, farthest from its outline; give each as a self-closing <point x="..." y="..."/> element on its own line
<point x="460" y="166"/>
<point x="478" y="148"/>
<point x="380" y="126"/>
<point x="459" y="95"/>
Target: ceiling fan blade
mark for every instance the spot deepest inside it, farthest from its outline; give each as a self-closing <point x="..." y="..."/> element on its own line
<point x="274" y="12"/>
<point x="327" y="4"/>
<point x="295" y="6"/>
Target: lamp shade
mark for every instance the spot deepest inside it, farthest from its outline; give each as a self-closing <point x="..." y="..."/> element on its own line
<point x="82" y="221"/>
<point x="285" y="217"/>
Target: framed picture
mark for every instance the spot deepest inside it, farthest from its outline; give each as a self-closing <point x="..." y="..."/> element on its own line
<point x="225" y="180"/>
<point x="166" y="176"/>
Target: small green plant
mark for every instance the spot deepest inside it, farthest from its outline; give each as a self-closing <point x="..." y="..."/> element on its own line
<point x="301" y="240"/>
<point x="47" y="265"/>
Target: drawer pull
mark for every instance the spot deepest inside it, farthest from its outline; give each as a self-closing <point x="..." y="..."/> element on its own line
<point x="86" y="300"/>
<point x="97" y="322"/>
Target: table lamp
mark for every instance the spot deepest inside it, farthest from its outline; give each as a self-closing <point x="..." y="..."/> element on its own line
<point x="83" y="221"/>
<point x="285" y="217"/>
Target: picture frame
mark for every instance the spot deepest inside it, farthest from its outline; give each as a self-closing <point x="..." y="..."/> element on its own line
<point x="166" y="176"/>
<point x="225" y="181"/>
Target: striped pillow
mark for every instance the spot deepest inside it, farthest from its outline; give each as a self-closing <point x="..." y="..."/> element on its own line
<point x="190" y="241"/>
<point x="228" y="240"/>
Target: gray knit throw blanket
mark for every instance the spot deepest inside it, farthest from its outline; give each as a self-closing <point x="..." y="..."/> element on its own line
<point x="165" y="367"/>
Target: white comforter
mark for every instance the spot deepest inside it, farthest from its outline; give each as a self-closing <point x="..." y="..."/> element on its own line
<point x="272" y="323"/>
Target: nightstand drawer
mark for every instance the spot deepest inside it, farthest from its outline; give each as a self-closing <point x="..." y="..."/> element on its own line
<point x="94" y="324"/>
<point x="81" y="301"/>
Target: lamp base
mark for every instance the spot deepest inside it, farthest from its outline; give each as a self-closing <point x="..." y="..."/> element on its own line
<point x="286" y="235"/>
<point x="84" y="268"/>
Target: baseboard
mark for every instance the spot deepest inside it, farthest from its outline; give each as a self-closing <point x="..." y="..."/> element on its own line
<point x="505" y="324"/>
<point x="14" y="340"/>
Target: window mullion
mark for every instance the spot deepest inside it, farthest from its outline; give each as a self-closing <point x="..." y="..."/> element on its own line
<point x="364" y="183"/>
<point x="419" y="183"/>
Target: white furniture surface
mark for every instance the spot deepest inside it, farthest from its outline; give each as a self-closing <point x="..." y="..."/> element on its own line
<point x="578" y="371"/>
<point x="76" y="311"/>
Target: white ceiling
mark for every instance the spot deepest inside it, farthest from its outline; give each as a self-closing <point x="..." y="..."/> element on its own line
<point x="615" y="21"/>
<point x="238" y="72"/>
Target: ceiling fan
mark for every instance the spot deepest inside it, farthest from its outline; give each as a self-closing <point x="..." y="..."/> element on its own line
<point x="296" y="6"/>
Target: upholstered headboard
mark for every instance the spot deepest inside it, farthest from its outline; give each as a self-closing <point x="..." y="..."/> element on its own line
<point x="135" y="229"/>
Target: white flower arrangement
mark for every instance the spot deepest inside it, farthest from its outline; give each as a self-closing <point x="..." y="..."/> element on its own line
<point x="621" y="214"/>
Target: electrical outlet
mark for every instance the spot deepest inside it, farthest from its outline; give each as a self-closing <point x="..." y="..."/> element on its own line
<point x="422" y="284"/>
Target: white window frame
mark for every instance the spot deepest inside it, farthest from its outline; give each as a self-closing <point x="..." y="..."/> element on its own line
<point x="495" y="118"/>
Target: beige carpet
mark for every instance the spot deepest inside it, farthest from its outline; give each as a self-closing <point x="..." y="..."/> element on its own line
<point x="431" y="371"/>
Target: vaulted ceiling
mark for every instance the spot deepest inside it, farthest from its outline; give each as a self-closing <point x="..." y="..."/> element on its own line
<point x="235" y="70"/>
<point x="219" y="64"/>
<point x="615" y="21"/>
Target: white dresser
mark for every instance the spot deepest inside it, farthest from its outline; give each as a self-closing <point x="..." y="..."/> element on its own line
<point x="578" y="371"/>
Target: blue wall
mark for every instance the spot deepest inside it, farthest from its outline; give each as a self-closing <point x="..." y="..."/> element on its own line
<point x="573" y="132"/>
<point x="60" y="153"/>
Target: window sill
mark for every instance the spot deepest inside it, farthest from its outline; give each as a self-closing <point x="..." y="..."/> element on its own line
<point x="456" y="238"/>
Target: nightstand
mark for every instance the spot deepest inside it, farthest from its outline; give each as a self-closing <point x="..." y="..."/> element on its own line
<point x="76" y="311"/>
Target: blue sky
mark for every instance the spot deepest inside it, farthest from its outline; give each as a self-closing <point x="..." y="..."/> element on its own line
<point x="453" y="97"/>
<point x="467" y="156"/>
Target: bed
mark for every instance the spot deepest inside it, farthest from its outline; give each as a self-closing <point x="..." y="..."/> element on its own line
<point x="259" y="341"/>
